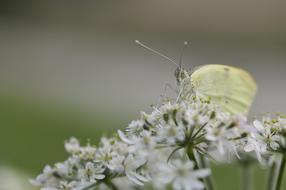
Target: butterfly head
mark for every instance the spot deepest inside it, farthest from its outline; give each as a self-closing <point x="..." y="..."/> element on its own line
<point x="181" y="74"/>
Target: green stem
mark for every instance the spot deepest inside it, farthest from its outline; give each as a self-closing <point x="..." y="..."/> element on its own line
<point x="200" y="163"/>
<point x="191" y="155"/>
<point x="280" y="173"/>
<point x="272" y="176"/>
<point x="112" y="186"/>
<point x="246" y="176"/>
<point x="208" y="180"/>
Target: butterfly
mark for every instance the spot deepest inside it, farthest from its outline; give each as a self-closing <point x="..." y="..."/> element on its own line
<point x="231" y="88"/>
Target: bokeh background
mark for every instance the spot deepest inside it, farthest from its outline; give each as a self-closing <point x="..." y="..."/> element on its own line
<point x="71" y="68"/>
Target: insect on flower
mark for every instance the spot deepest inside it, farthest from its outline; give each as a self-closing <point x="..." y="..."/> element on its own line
<point x="233" y="89"/>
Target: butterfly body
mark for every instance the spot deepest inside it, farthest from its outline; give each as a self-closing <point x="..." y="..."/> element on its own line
<point x="231" y="88"/>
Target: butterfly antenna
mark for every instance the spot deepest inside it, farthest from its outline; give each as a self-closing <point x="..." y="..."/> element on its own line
<point x="156" y="52"/>
<point x="182" y="53"/>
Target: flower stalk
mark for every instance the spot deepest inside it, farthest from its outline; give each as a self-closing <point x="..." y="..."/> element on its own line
<point x="209" y="183"/>
<point x="272" y="175"/>
<point x="191" y="156"/>
<point x="246" y="176"/>
<point x="280" y="173"/>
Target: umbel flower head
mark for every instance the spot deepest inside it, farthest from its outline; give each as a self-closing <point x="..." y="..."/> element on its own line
<point x="160" y="149"/>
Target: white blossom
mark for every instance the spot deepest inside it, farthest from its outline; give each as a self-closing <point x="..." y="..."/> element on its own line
<point x="131" y="165"/>
<point x="72" y="146"/>
<point x="181" y="175"/>
<point x="157" y="149"/>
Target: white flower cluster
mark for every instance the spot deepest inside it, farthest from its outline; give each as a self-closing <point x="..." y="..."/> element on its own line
<point x="163" y="149"/>
<point x="268" y="136"/>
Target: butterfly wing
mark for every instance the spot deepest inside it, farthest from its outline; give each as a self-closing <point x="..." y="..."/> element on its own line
<point x="232" y="88"/>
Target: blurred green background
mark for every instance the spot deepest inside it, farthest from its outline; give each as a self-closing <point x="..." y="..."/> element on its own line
<point x="71" y="68"/>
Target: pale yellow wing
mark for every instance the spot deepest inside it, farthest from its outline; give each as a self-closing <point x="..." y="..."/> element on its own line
<point x="232" y="88"/>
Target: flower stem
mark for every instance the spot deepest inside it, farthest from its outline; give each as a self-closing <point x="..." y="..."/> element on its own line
<point x="272" y="176"/>
<point x="280" y="173"/>
<point x="112" y="186"/>
<point x="191" y="155"/>
<point x="246" y="176"/>
<point x="208" y="180"/>
<point x="200" y="163"/>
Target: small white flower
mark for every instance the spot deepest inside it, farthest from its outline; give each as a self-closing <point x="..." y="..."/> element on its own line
<point x="92" y="172"/>
<point x="72" y="146"/>
<point x="181" y="175"/>
<point x="131" y="140"/>
<point x="228" y="135"/>
<point x="139" y="144"/>
<point x="218" y="136"/>
<point x="259" y="147"/>
<point x="131" y="169"/>
<point x="267" y="137"/>
<point x="265" y="134"/>
<point x="88" y="152"/>
<point x="171" y="134"/>
<point x="105" y="153"/>
<point x="135" y="127"/>
<point x="116" y="164"/>
<point x="47" y="179"/>
<point x="63" y="168"/>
